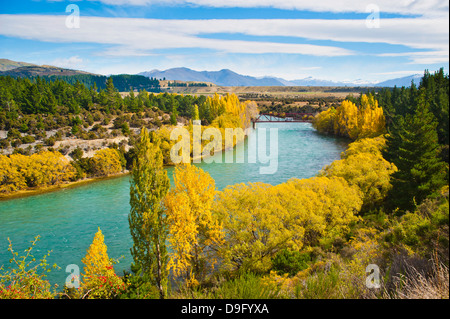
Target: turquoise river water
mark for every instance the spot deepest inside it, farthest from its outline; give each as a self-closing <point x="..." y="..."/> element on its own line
<point x="66" y="220"/>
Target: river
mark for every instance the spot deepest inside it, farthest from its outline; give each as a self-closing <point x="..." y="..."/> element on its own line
<point x="67" y="220"/>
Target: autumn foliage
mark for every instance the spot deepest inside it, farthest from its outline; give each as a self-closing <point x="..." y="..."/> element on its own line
<point x="305" y="238"/>
<point x="106" y="162"/>
<point x="261" y="220"/>
<point x="18" y="172"/>
<point x="363" y="165"/>
<point x="25" y="278"/>
<point x="220" y="113"/>
<point x="349" y="120"/>
<point x="230" y="106"/>
<point x="47" y="168"/>
<point x="99" y="281"/>
<point x="193" y="228"/>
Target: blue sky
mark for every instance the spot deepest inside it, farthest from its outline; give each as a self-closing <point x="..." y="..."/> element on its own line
<point x="340" y="40"/>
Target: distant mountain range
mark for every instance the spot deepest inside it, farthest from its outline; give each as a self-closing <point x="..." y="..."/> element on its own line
<point x="223" y="77"/>
<point x="227" y="77"/>
<point x="399" y="82"/>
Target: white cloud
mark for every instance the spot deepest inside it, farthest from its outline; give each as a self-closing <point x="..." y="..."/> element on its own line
<point x="74" y="62"/>
<point x="406" y="7"/>
<point x="433" y="57"/>
<point x="406" y="72"/>
<point x="413" y="32"/>
<point x="141" y="37"/>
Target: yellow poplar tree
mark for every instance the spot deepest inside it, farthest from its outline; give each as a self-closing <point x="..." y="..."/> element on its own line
<point x="371" y="120"/>
<point x="41" y="169"/>
<point x="261" y="220"/>
<point x="147" y="219"/>
<point x="346" y="123"/>
<point x="337" y="204"/>
<point x="50" y="168"/>
<point x="350" y="121"/>
<point x="193" y="229"/>
<point x="99" y="279"/>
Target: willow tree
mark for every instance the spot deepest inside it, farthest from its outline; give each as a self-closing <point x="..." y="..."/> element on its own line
<point x="149" y="184"/>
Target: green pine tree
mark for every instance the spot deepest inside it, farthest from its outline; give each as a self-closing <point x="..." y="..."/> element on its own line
<point x="437" y="95"/>
<point x="174" y="115"/>
<point x="412" y="145"/>
<point x="148" y="227"/>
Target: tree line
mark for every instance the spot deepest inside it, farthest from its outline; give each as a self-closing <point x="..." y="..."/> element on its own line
<point x="58" y="96"/>
<point x="122" y="82"/>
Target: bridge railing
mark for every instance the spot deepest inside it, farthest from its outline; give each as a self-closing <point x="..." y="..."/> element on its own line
<point x="283" y="117"/>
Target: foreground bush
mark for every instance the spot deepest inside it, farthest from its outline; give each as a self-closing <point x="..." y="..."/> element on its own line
<point x="25" y="278"/>
<point x="363" y="165"/>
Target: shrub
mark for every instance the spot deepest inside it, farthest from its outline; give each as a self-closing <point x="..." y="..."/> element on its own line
<point x="106" y="162"/>
<point x="323" y="284"/>
<point x="4" y="143"/>
<point x="363" y="165"/>
<point x="43" y="169"/>
<point x="24" y="280"/>
<point x="14" y="133"/>
<point x="27" y="139"/>
<point x="245" y="286"/>
<point x="290" y="262"/>
<point x="50" y="141"/>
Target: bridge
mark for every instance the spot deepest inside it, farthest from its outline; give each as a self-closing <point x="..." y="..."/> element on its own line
<point x="273" y="117"/>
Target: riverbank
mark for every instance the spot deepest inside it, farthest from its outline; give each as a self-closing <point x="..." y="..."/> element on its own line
<point x="55" y="188"/>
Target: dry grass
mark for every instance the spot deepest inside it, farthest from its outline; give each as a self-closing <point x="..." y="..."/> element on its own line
<point x="416" y="285"/>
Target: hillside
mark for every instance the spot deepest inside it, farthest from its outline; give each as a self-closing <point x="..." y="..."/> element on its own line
<point x="44" y="70"/>
<point x="6" y="65"/>
<point x="123" y="82"/>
